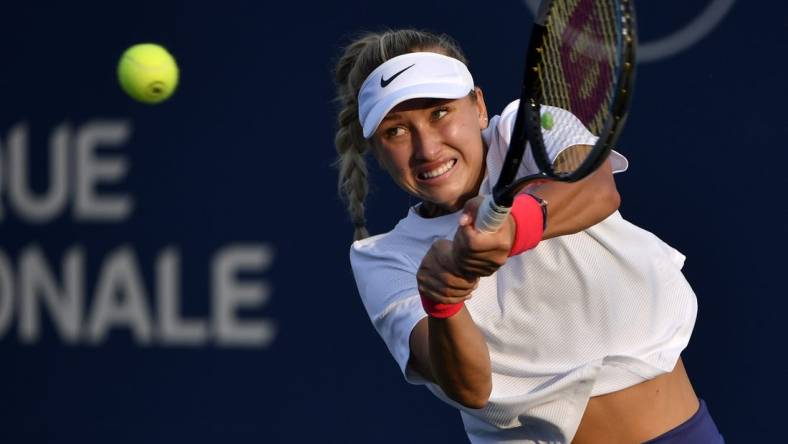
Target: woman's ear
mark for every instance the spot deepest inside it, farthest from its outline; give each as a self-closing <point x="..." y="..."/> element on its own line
<point x="481" y="107"/>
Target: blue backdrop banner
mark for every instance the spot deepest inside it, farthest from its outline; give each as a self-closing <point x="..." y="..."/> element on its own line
<point x="179" y="272"/>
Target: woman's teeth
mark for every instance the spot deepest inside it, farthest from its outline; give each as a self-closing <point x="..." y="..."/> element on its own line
<point x="441" y="170"/>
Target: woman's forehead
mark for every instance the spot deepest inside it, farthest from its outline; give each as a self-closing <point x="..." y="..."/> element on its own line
<point x="418" y="104"/>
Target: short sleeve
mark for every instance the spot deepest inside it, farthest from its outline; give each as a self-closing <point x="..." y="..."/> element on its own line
<point x="387" y="284"/>
<point x="567" y="130"/>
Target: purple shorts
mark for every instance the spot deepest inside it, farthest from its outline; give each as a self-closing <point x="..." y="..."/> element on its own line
<point x="699" y="429"/>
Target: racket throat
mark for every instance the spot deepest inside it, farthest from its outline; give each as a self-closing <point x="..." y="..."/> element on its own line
<point x="492" y="215"/>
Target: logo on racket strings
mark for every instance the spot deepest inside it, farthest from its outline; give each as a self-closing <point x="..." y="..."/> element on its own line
<point x="586" y="56"/>
<point x="679" y="40"/>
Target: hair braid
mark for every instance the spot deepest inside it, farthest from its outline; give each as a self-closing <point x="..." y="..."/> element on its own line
<point x="352" y="182"/>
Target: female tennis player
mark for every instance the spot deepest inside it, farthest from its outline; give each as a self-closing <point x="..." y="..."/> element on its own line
<point x="563" y="327"/>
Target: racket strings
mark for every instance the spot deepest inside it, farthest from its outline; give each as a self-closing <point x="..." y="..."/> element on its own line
<point x="578" y="71"/>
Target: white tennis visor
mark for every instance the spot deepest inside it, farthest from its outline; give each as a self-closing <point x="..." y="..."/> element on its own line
<point x="410" y="76"/>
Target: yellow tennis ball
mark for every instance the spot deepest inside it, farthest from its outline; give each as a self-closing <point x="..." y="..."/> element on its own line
<point x="148" y="73"/>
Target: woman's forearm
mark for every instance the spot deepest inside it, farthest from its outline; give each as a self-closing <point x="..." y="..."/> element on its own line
<point x="460" y="359"/>
<point x="452" y="353"/>
<point x="573" y="207"/>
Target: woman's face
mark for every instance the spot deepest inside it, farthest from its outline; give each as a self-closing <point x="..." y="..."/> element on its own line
<point x="433" y="149"/>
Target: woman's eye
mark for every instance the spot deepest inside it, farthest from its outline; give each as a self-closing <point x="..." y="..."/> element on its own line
<point x="394" y="131"/>
<point x="439" y="113"/>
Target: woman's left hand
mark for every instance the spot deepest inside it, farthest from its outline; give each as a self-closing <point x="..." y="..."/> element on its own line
<point x="477" y="253"/>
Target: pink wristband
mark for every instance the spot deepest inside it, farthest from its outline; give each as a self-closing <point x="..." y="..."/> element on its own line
<point x="440" y="311"/>
<point x="529" y="219"/>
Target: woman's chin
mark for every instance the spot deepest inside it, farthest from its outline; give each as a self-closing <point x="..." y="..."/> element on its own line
<point x="437" y="206"/>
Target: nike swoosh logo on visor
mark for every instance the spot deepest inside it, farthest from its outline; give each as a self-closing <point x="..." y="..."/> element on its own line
<point x="385" y="82"/>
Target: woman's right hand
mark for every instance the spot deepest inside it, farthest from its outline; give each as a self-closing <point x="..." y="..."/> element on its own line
<point x="439" y="279"/>
<point x="479" y="253"/>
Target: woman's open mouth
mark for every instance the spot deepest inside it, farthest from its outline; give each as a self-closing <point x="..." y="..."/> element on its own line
<point x="439" y="171"/>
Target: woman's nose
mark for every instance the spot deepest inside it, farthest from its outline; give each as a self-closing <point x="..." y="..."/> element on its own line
<point x="426" y="144"/>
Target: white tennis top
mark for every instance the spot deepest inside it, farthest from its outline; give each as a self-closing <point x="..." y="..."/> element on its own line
<point x="578" y="316"/>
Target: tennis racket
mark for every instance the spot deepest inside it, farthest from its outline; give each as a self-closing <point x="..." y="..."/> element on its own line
<point x="581" y="58"/>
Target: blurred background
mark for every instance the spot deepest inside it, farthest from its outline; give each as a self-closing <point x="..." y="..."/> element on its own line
<point x="162" y="281"/>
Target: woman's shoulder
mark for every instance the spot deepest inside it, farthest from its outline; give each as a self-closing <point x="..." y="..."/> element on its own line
<point x="385" y="247"/>
<point x="383" y="265"/>
<point x="502" y="125"/>
<point x="407" y="242"/>
<point x="379" y="245"/>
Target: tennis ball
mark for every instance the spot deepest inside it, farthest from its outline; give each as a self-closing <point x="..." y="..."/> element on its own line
<point x="148" y="73"/>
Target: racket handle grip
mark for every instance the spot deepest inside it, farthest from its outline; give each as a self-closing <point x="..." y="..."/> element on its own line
<point x="491" y="216"/>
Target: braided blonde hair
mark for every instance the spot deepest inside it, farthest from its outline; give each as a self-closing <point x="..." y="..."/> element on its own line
<point x="358" y="60"/>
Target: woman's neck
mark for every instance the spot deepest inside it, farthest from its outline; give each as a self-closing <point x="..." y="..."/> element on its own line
<point x="429" y="210"/>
